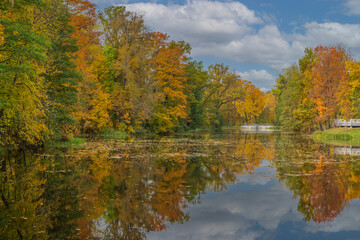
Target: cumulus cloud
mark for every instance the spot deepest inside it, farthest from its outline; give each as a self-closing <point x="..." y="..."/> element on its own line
<point x="330" y="33"/>
<point x="229" y="31"/>
<point x="199" y="21"/>
<point x="259" y="78"/>
<point x="224" y="30"/>
<point x="353" y="7"/>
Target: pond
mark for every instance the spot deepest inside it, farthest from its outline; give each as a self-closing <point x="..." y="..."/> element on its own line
<point x="227" y="185"/>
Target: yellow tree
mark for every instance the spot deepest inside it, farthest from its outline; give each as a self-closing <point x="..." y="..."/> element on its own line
<point x="353" y="71"/>
<point x="93" y="103"/>
<point x="169" y="75"/>
<point x="22" y="118"/>
<point x="253" y="104"/>
<point x="270" y="106"/>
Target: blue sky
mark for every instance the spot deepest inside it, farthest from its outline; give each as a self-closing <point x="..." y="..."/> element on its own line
<point x="256" y="38"/>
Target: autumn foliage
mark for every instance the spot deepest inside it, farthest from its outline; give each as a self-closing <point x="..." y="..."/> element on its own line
<point x="322" y="87"/>
<point x="67" y="69"/>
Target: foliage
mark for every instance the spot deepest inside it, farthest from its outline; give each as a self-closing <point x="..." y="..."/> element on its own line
<point x="67" y="70"/>
<point x="320" y="88"/>
<point x="169" y="76"/>
<point x="22" y="91"/>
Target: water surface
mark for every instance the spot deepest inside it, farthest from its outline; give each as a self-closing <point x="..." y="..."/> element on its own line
<point x="228" y="185"/>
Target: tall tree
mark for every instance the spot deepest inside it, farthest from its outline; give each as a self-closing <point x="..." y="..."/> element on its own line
<point x="129" y="46"/>
<point x="22" y="86"/>
<point x="252" y="105"/>
<point x="169" y="75"/>
<point x="93" y="103"/>
<point x="60" y="71"/>
<point x="222" y="89"/>
<point x="195" y="88"/>
<point x="328" y="77"/>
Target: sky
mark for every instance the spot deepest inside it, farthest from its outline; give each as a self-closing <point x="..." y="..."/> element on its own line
<point x="256" y="38"/>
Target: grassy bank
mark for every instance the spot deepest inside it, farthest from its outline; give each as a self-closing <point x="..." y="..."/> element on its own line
<point x="74" y="143"/>
<point x="113" y="134"/>
<point x="338" y="134"/>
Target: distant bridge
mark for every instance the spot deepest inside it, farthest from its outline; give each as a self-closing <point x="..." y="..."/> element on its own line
<point x="257" y="127"/>
<point x="344" y="123"/>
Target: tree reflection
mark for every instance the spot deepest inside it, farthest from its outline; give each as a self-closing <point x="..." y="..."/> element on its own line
<point x="323" y="182"/>
<point x="22" y="213"/>
<point x="123" y="190"/>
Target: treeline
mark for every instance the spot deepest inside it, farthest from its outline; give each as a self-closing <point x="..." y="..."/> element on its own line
<point x="66" y="69"/>
<point x="323" y="86"/>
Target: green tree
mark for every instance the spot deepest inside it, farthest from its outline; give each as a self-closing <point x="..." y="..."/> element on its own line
<point x="129" y="46"/>
<point x="60" y="73"/>
<point x="223" y="89"/>
<point x="197" y="78"/>
<point x="22" y="118"/>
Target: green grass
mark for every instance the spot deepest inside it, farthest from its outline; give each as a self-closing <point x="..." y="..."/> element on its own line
<point x="74" y="143"/>
<point x="337" y="134"/>
<point x="113" y="134"/>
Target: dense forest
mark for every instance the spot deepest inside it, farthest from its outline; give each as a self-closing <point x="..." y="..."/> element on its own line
<point x="68" y="69"/>
<point x="323" y="86"/>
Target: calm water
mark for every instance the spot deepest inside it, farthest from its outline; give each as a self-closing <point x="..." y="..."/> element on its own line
<point x="229" y="185"/>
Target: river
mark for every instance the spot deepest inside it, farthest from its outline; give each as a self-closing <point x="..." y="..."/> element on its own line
<point x="203" y="185"/>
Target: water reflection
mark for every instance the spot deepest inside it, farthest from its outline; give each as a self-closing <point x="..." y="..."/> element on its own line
<point x="125" y="190"/>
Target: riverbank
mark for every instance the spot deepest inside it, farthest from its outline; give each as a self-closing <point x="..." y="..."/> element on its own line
<point x="338" y="133"/>
<point x="339" y="136"/>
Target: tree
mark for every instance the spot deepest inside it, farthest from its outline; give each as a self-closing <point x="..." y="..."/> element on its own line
<point x="223" y="89"/>
<point x="195" y="88"/>
<point x="328" y="78"/>
<point x="169" y="75"/>
<point x="353" y="71"/>
<point x="60" y="73"/>
<point x="22" y="118"/>
<point x="252" y="105"/>
<point x="268" y="114"/>
<point x="129" y="47"/>
<point x="91" y="110"/>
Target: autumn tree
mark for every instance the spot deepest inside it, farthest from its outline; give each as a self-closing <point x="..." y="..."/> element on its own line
<point x="252" y="105"/>
<point x="353" y="72"/>
<point x="169" y="63"/>
<point x="268" y="114"/>
<point x="223" y="88"/>
<point x="93" y="102"/>
<point x="328" y="78"/>
<point x="296" y="108"/>
<point x="22" y="55"/>
<point x="129" y="46"/>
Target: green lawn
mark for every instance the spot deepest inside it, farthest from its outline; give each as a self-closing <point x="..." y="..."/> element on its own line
<point x="338" y="134"/>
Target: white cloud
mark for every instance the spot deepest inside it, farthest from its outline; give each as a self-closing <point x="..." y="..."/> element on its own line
<point x="199" y="21"/>
<point x="259" y="78"/>
<point x="224" y="30"/>
<point x="353" y="7"/>
<point x="229" y="31"/>
<point x="331" y="33"/>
